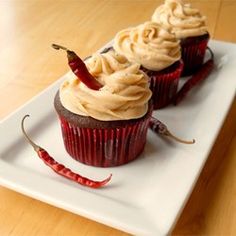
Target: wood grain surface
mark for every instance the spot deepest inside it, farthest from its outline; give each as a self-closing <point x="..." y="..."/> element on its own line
<point x="28" y="65"/>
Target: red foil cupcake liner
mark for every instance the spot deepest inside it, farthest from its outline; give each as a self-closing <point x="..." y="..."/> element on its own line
<point x="164" y="84"/>
<point x="193" y="53"/>
<point x="105" y="147"/>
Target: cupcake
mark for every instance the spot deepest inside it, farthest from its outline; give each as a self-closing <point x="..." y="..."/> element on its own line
<point x="105" y="127"/>
<point x="189" y="26"/>
<point x="158" y="52"/>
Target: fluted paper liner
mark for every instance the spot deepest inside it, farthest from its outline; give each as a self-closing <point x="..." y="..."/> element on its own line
<point x="105" y="147"/>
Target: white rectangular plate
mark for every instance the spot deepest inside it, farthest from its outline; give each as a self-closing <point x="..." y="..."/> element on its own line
<point x="144" y="197"/>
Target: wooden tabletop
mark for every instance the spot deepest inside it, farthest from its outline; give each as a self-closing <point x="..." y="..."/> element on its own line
<point x="28" y="65"/>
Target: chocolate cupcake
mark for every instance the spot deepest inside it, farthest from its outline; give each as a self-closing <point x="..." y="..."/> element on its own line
<point x="105" y="127"/>
<point x="189" y="26"/>
<point x="158" y="52"/>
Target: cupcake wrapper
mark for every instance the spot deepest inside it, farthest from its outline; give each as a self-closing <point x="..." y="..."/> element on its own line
<point x="193" y="55"/>
<point x="105" y="147"/>
<point x="164" y="85"/>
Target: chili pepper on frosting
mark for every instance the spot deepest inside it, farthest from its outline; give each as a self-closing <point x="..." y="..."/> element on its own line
<point x="79" y="68"/>
<point x="59" y="168"/>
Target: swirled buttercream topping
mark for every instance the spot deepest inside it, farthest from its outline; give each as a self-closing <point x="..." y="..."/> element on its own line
<point x="183" y="20"/>
<point x="148" y="44"/>
<point x="124" y="96"/>
<point x="102" y="64"/>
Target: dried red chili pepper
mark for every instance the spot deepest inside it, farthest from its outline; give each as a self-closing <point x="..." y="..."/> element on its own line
<point x="160" y="128"/>
<point x="79" y="68"/>
<point x="199" y="76"/>
<point x="59" y="168"/>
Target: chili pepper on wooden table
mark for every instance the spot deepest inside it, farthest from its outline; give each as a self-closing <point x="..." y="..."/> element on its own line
<point x="159" y="128"/>
<point x="59" y="168"/>
<point x="199" y="76"/>
<point x="79" y="68"/>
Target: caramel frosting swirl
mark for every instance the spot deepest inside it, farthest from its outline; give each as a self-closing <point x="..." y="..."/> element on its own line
<point x="183" y="20"/>
<point x="124" y="96"/>
<point x="101" y="64"/>
<point x="148" y="44"/>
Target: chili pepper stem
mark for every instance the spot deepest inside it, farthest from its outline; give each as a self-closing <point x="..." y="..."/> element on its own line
<point x="58" y="47"/>
<point x="211" y="53"/>
<point x="34" y="145"/>
<point x="169" y="134"/>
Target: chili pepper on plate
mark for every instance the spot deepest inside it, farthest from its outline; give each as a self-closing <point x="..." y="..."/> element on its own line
<point x="159" y="128"/>
<point x="199" y="76"/>
<point x="59" y="168"/>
